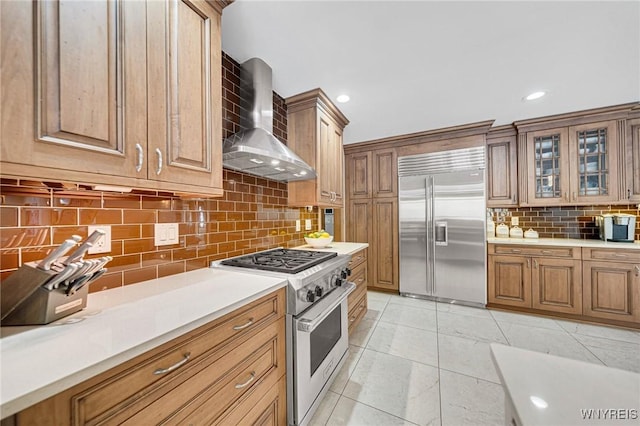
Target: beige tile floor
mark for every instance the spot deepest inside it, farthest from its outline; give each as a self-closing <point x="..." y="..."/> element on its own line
<point x="418" y="362"/>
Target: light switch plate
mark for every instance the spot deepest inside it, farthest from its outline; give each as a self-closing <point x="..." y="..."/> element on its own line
<point x="515" y="221"/>
<point x="166" y="234"/>
<point x="297" y="225"/>
<point x="103" y="245"/>
<point x="307" y="224"/>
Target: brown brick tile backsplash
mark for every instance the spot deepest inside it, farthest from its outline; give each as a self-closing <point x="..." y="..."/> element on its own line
<point x="564" y="222"/>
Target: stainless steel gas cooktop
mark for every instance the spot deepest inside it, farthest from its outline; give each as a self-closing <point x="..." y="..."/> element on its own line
<point x="280" y="260"/>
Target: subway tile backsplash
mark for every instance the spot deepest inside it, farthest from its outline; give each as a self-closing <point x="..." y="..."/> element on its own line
<point x="251" y="216"/>
<point x="565" y="222"/>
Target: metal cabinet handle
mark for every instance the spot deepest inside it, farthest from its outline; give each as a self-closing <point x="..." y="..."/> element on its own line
<point x="574" y="196"/>
<point x="535" y="264"/>
<point x="637" y="269"/>
<point x="629" y="194"/>
<point x="619" y="255"/>
<point x="242" y="327"/>
<point x="159" y="153"/>
<point x="528" y="263"/>
<point x="174" y="366"/>
<point x="513" y="198"/>
<point x="547" y="252"/>
<point x="515" y="250"/>
<point x="139" y="157"/>
<point x="251" y="379"/>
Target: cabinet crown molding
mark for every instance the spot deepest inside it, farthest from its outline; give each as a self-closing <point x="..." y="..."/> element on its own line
<point x="316" y="98"/>
<point x="578" y="117"/>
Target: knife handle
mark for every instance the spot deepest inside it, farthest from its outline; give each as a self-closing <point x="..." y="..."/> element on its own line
<point x="45" y="264"/>
<point x="85" y="246"/>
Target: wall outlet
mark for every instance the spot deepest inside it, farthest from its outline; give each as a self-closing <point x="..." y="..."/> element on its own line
<point x="297" y="225"/>
<point x="307" y="224"/>
<point x="103" y="245"/>
<point x="515" y="221"/>
<point x="166" y="234"/>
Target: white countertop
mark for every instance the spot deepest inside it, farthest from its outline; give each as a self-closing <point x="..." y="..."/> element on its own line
<point x="532" y="380"/>
<point x="117" y="325"/>
<point x="565" y="242"/>
<point x="338" y="247"/>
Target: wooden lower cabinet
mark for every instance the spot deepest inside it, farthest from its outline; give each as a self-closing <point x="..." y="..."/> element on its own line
<point x="509" y="279"/>
<point x="612" y="290"/>
<point x="533" y="277"/>
<point x="384" y="245"/>
<point x="357" y="301"/>
<point x="556" y="285"/>
<point x="589" y="283"/>
<point x="231" y="371"/>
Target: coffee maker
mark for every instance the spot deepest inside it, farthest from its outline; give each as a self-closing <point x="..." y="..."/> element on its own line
<point x="618" y="227"/>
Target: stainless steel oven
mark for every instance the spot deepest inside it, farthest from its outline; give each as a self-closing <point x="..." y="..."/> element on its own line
<point x="316" y="319"/>
<point x="320" y="341"/>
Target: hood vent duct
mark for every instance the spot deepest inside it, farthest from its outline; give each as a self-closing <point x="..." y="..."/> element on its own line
<point x="255" y="150"/>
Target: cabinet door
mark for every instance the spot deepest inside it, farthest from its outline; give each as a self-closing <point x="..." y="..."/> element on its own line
<point x="611" y="290"/>
<point x="547" y="157"/>
<point x="502" y="185"/>
<point x="556" y="285"/>
<point x="509" y="280"/>
<point x="385" y="244"/>
<point x="632" y="161"/>
<point x="325" y="161"/>
<point x="185" y="127"/>
<point x="359" y="229"/>
<point x="65" y="68"/>
<point x="593" y="150"/>
<point x="358" y="175"/>
<point x="385" y="173"/>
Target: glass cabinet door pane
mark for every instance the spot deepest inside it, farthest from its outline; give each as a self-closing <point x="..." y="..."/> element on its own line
<point x="547" y="162"/>
<point x="593" y="162"/>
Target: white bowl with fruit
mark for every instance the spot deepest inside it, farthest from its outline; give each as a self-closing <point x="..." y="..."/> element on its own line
<point x="318" y="239"/>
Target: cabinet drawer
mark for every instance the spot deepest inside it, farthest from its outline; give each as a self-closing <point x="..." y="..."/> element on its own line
<point x="266" y="405"/>
<point x="357" y="312"/>
<point x="221" y="381"/>
<point x="133" y="387"/>
<point x="619" y="255"/>
<point x="355" y="296"/>
<point x="358" y="258"/>
<point x="525" y="250"/>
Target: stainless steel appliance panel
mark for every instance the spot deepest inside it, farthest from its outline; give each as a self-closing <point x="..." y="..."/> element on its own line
<point x="459" y="223"/>
<point x="414" y="234"/>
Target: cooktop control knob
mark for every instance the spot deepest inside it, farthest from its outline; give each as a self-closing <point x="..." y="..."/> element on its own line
<point x="311" y="296"/>
<point x="318" y="291"/>
<point x="343" y="274"/>
<point x="339" y="282"/>
<point x="348" y="271"/>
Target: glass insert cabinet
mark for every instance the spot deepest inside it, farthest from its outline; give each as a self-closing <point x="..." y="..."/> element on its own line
<point x="572" y="165"/>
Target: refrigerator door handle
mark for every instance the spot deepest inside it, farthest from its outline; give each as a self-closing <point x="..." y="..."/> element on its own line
<point x="441" y="234"/>
<point x="431" y="246"/>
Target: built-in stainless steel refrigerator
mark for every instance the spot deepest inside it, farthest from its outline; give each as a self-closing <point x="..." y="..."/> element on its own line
<point x="442" y="219"/>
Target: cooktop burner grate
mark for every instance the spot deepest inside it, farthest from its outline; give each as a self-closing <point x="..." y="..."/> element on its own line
<point x="281" y="260"/>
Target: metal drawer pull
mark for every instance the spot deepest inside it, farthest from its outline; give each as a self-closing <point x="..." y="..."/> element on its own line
<point x="515" y="251"/>
<point x="159" y="153"/>
<point x="637" y="269"/>
<point x="251" y="379"/>
<point x="242" y="327"/>
<point x="139" y="157"/>
<point x="535" y="264"/>
<point x="528" y="263"/>
<point x="174" y="366"/>
<point x="547" y="252"/>
<point x="619" y="255"/>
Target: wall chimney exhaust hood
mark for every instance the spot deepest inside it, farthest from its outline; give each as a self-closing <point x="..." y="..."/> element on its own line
<point x="255" y="150"/>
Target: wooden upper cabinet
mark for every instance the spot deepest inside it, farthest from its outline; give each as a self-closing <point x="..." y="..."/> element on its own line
<point x="101" y="91"/>
<point x="572" y="165"/>
<point x="315" y="128"/>
<point x="631" y="156"/>
<point x="65" y="66"/>
<point x="502" y="177"/>
<point x="358" y="175"/>
<point x="385" y="173"/>
<point x="185" y="113"/>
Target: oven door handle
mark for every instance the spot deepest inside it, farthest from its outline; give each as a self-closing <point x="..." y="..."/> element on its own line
<point x="322" y="310"/>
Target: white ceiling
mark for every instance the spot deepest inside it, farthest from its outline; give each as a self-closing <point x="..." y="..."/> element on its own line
<point x="411" y="66"/>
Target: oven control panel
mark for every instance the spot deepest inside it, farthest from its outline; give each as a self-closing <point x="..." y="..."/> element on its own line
<point x="323" y="285"/>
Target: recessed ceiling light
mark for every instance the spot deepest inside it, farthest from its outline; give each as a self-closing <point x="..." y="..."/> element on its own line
<point x="343" y="98"/>
<point x="535" y="95"/>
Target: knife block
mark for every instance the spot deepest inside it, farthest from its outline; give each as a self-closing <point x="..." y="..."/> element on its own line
<point x="26" y="302"/>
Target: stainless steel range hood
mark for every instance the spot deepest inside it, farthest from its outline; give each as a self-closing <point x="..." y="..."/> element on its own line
<point x="256" y="150"/>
